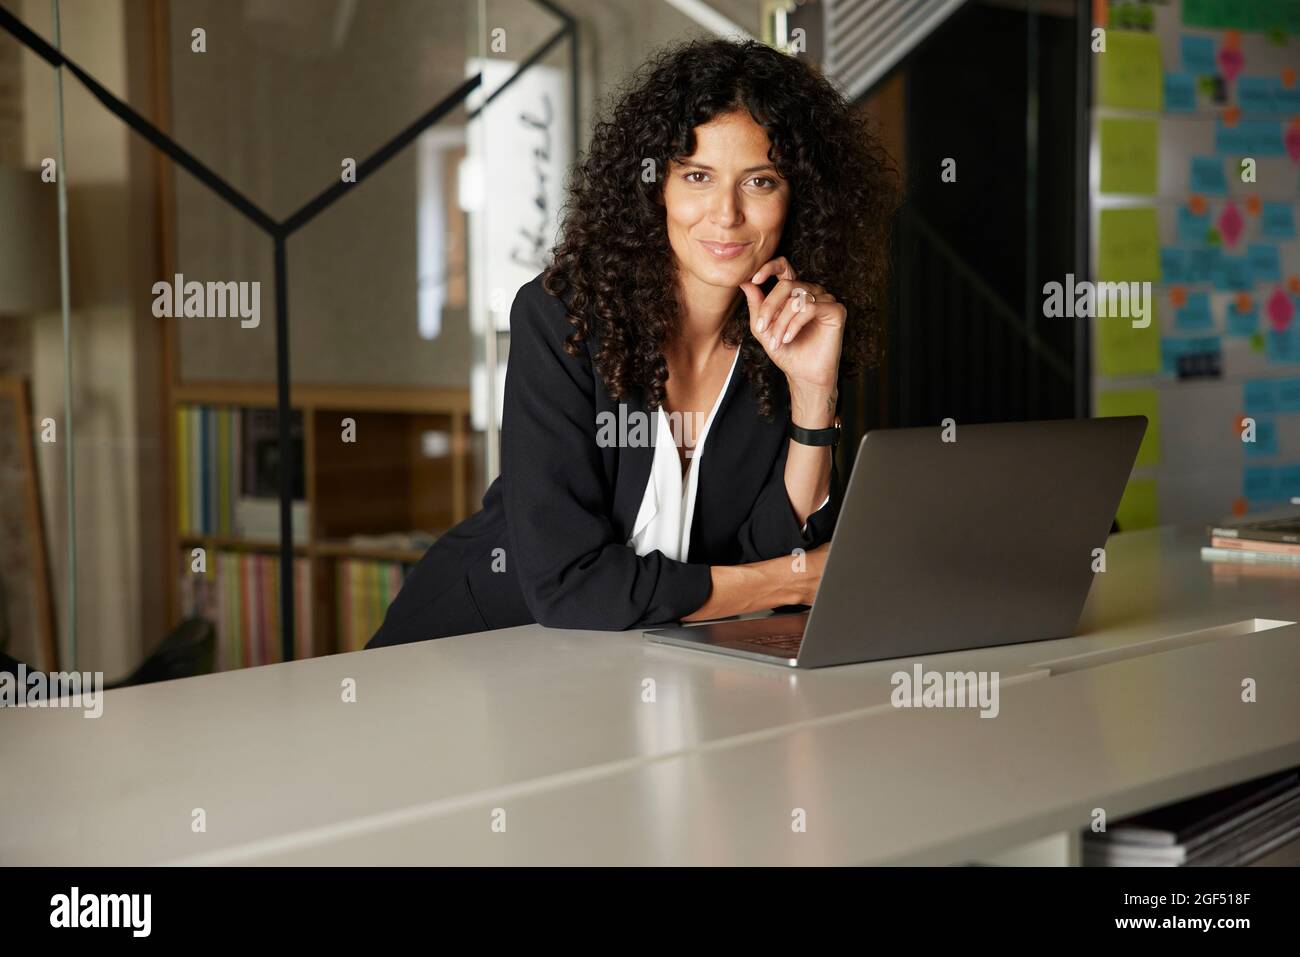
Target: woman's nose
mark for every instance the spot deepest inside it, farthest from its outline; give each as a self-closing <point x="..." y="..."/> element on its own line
<point x="726" y="211"/>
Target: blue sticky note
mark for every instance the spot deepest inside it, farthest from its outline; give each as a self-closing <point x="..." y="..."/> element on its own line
<point x="1232" y="274"/>
<point x="1198" y="55"/>
<point x="1180" y="92"/>
<point x="1243" y="323"/>
<point x="1287" y="101"/>
<point x="1207" y="176"/>
<point x="1255" y="94"/>
<point x="1259" y="395"/>
<point x="1173" y="264"/>
<point x="1233" y="140"/>
<point x="1282" y="345"/>
<point x="1203" y="263"/>
<point x="1173" y="348"/>
<point x="1262" y="137"/>
<point x="1276" y="221"/>
<point x="1287" y="394"/>
<point x="1192" y="228"/>
<point x="1265" y="264"/>
<point x="1195" y="316"/>
<point x="1265" y="439"/>
<point x="1259" y="481"/>
<point x="1287" y="479"/>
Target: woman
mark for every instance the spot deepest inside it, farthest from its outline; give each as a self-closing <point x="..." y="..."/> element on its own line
<point x="723" y="262"/>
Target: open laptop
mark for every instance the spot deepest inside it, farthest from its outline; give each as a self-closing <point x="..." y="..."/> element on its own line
<point x="942" y="546"/>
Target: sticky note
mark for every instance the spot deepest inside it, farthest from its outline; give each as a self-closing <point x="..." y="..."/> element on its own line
<point x="1243" y="323"/>
<point x="1249" y="138"/>
<point x="1259" y="482"/>
<point x="1195" y="316"/>
<point x="1128" y="245"/>
<point x="1136" y="402"/>
<point x="1207" y="176"/>
<point x="1138" y="508"/>
<point x="1233" y="274"/>
<point x="1128" y="155"/>
<point x="1198" y="54"/>
<point x="1288" y="394"/>
<point x="1130" y="75"/>
<point x="1259" y="395"/>
<point x="1282" y="345"/>
<point x="1255" y="94"/>
<point x="1265" y="264"/>
<point x="1265" y="438"/>
<point x="1191" y="227"/>
<point x="1277" y="221"/>
<point x="1196" y="350"/>
<point x="1203" y="264"/>
<point x="1122" y="350"/>
<point x="1173" y="264"/>
<point x="1287" y="478"/>
<point x="1180" y="93"/>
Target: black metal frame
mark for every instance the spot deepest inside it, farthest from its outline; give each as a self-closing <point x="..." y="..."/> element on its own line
<point x="280" y="231"/>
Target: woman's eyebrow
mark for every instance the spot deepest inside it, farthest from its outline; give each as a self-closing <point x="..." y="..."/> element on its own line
<point x="750" y="169"/>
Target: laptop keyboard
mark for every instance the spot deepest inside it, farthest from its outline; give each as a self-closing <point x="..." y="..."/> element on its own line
<point x="785" y="643"/>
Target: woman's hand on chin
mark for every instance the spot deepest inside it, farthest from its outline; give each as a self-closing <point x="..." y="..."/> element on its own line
<point x="800" y="326"/>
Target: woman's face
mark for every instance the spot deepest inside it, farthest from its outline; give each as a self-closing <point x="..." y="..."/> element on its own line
<point x="726" y="203"/>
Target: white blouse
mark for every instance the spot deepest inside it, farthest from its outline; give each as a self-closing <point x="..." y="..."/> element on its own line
<point x="663" y="522"/>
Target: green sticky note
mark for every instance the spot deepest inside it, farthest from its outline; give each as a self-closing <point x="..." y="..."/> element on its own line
<point x="1120" y="349"/>
<point x="1138" y="508"/>
<point x="1136" y="402"/>
<point x="1128" y="245"/>
<point x="1129" y="72"/>
<point x="1129" y="155"/>
<point x="1257" y="342"/>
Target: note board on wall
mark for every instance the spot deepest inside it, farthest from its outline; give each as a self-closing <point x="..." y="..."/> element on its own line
<point x="1184" y="92"/>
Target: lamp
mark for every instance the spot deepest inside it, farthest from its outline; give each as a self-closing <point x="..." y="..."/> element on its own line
<point x="29" y="250"/>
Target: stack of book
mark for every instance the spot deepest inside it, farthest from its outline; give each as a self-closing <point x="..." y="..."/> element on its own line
<point x="1225" y="828"/>
<point x="240" y="593"/>
<point x="1272" y="540"/>
<point x="227" y="479"/>
<point x="365" y="590"/>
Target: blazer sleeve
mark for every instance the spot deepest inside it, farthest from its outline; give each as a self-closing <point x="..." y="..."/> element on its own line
<point x="771" y="530"/>
<point x="572" y="570"/>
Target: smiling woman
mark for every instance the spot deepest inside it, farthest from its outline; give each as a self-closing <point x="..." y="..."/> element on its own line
<point x="731" y="289"/>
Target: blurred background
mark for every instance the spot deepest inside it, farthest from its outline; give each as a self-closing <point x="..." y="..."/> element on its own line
<point x="141" y="456"/>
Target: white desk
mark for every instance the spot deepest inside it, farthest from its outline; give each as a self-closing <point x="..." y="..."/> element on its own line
<point x="551" y="727"/>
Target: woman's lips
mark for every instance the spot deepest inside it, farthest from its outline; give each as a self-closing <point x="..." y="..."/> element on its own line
<point x="724" y="250"/>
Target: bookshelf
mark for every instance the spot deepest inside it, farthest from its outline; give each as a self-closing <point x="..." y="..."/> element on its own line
<point x="388" y="480"/>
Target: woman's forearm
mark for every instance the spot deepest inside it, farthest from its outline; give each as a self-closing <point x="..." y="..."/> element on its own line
<point x="738" y="589"/>
<point x="808" y="467"/>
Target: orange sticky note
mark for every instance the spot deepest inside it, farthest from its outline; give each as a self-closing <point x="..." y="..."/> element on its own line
<point x="1231" y="39"/>
<point x="1239" y="506"/>
<point x="1288" y="77"/>
<point x="1243" y="302"/>
<point x="1231" y="115"/>
<point x="1197" y="204"/>
<point x="1293" y="283"/>
<point x="1252" y="204"/>
<point x="1178" y="296"/>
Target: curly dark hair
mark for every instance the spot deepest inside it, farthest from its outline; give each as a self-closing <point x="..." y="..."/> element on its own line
<point x="614" y="252"/>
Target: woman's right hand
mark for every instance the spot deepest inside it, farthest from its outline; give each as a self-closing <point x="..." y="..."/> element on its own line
<point x="807" y="580"/>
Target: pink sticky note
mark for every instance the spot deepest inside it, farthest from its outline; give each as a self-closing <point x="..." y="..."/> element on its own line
<point x="1230" y="63"/>
<point x="1230" y="223"/>
<point x="1279" y="310"/>
<point x="1292" y="140"/>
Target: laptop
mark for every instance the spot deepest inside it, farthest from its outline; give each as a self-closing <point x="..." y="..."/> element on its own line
<point x="944" y="546"/>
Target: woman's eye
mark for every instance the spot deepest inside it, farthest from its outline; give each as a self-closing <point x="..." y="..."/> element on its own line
<point x="763" y="182"/>
<point x="695" y="172"/>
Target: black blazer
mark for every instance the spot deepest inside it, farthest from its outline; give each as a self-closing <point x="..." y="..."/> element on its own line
<point x="549" y="546"/>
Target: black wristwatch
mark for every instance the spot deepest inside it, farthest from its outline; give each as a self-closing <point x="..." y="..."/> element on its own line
<point x="829" y="436"/>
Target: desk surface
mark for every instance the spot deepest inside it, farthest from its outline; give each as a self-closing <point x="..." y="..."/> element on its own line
<point x="1142" y="706"/>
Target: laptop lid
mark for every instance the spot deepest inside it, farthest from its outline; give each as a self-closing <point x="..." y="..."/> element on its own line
<point x="984" y="540"/>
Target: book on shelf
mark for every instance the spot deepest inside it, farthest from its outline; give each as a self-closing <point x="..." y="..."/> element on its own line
<point x="227" y="477"/>
<point x="240" y="594"/>
<point x="364" y="589"/>
<point x="1229" y="827"/>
